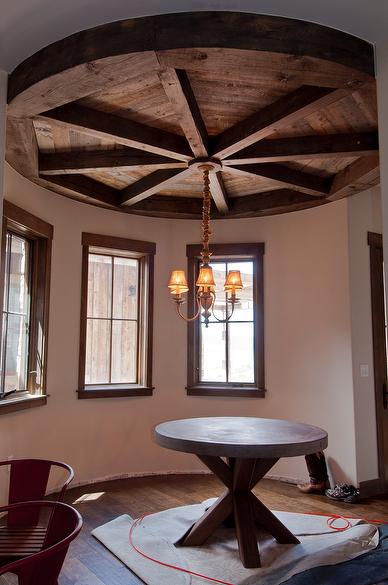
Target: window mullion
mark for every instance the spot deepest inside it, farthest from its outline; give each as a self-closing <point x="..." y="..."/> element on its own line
<point x="111" y="322"/>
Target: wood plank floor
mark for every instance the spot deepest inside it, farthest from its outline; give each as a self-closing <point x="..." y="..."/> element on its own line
<point x="89" y="563"/>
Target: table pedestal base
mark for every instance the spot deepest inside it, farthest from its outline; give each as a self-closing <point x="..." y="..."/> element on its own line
<point x="239" y="507"/>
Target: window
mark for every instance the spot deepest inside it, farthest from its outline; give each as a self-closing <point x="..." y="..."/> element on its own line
<point x="227" y="359"/>
<point x="26" y="257"/>
<point x="116" y="317"/>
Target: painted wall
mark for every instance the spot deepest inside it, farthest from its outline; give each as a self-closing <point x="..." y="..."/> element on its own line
<point x="364" y="213"/>
<point x="307" y="329"/>
<point x="3" y="101"/>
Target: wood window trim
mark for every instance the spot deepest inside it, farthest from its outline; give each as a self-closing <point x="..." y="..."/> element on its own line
<point x="375" y="242"/>
<point x="254" y="251"/>
<point x="146" y="251"/>
<point x="41" y="234"/>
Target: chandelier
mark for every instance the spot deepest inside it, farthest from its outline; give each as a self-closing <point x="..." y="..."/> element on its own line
<point x="206" y="286"/>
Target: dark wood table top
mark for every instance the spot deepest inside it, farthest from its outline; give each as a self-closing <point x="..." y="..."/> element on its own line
<point x="245" y="437"/>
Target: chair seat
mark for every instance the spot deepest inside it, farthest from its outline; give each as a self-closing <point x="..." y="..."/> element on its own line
<point x="21" y="541"/>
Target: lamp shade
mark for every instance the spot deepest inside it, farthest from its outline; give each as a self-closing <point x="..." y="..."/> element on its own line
<point x="233" y="281"/>
<point x="178" y="283"/>
<point x="206" y="278"/>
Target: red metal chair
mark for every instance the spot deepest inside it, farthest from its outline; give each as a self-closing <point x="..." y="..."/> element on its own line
<point x="36" y="561"/>
<point x="29" y="478"/>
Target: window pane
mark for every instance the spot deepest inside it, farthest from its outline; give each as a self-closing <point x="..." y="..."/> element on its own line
<point x="16" y="353"/>
<point x="124" y="352"/>
<point x="243" y="310"/>
<point x="241" y="362"/>
<point x="125" y="288"/>
<point x="97" y="351"/>
<point x="18" y="301"/>
<point x="219" y="273"/>
<point x="6" y="275"/>
<point x="99" y="286"/>
<point x="213" y="353"/>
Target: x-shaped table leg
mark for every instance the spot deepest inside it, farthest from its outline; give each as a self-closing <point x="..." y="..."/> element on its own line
<point x="239" y="506"/>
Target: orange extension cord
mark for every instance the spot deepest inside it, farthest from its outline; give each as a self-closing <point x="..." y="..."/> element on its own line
<point x="331" y="520"/>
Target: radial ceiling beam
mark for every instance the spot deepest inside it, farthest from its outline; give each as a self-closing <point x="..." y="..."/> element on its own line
<point x="218" y="192"/>
<point x="177" y="87"/>
<point x="83" y="161"/>
<point x="285" y="111"/>
<point x="279" y="201"/>
<point x="120" y="130"/>
<point x="152" y="184"/>
<point x="358" y="176"/>
<point x="88" y="187"/>
<point x="311" y="184"/>
<point x="307" y="147"/>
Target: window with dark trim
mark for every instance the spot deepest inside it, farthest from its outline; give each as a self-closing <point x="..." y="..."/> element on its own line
<point x="116" y="317"/>
<point x="227" y="359"/>
<point x="25" y="286"/>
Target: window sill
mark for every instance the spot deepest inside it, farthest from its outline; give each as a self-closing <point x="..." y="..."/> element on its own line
<point x="232" y="391"/>
<point x="22" y="402"/>
<point x="114" y="391"/>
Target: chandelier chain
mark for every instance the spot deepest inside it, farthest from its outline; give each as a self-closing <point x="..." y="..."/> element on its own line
<point x="206" y="218"/>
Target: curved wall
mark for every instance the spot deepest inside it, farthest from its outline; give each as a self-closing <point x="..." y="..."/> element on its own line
<point x="307" y="341"/>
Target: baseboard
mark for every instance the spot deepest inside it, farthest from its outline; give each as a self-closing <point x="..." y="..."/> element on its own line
<point x="285" y="479"/>
<point x="373" y="487"/>
<point x="131" y="475"/>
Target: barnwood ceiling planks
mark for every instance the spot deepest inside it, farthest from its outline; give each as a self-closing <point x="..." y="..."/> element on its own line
<point x="122" y="115"/>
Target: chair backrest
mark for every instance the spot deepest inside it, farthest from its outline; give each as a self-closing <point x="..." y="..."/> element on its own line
<point x="63" y="523"/>
<point x="28" y="481"/>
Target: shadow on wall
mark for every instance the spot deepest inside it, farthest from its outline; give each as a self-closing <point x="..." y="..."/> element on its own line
<point x="335" y="472"/>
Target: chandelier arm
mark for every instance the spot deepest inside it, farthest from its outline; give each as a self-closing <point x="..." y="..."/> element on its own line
<point x="228" y="317"/>
<point x="189" y="319"/>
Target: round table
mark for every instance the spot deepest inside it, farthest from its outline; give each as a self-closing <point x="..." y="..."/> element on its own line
<point x="240" y="451"/>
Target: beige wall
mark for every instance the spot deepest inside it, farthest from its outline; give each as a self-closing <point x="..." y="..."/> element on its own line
<point x="307" y="328"/>
<point x="3" y="101"/>
<point x="364" y="211"/>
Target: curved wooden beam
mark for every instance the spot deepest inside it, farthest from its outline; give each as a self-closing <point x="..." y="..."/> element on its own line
<point x="102" y="52"/>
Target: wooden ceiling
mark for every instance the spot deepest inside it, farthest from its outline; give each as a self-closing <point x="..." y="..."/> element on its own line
<point x="116" y="116"/>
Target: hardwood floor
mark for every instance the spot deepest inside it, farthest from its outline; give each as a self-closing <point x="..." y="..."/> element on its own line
<point x="89" y="563"/>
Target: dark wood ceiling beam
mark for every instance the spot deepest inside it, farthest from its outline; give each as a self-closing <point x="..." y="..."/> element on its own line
<point x="277" y="201"/>
<point x="88" y="187"/>
<point x="285" y="111"/>
<point x="218" y="191"/>
<point x="152" y="184"/>
<point x="358" y="176"/>
<point x="120" y="130"/>
<point x="177" y="87"/>
<point x="22" y="147"/>
<point x="307" y="147"/>
<point x="170" y="207"/>
<point x="311" y="184"/>
<point x="82" y="161"/>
